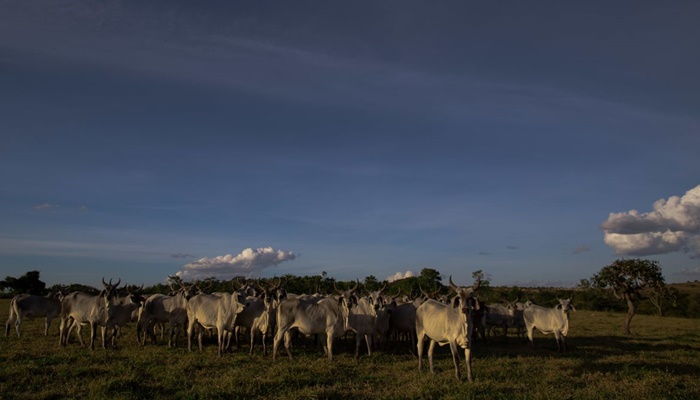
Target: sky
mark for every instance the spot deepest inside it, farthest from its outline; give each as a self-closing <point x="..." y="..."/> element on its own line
<point x="537" y="142"/>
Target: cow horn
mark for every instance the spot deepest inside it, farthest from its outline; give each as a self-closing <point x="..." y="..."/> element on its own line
<point x="356" y="286"/>
<point x="336" y="288"/>
<point x="452" y="285"/>
<point x="476" y="285"/>
<point x="422" y="291"/>
<point x="103" y="281"/>
<point x="382" y="289"/>
<point x="117" y="284"/>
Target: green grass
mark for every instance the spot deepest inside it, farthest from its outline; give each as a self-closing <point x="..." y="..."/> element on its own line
<point x="660" y="360"/>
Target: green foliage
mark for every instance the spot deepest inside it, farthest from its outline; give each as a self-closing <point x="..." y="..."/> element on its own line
<point x="28" y="283"/>
<point x="628" y="277"/>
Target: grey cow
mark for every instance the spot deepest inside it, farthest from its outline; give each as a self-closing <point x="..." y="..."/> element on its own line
<point x="31" y="306"/>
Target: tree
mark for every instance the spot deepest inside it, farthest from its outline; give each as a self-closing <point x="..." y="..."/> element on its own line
<point x="627" y="278"/>
<point x="430" y="280"/>
<point x="660" y="295"/>
<point x="27" y="283"/>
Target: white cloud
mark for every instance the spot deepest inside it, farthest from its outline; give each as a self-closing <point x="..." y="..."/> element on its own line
<point x="400" y="275"/>
<point x="228" y="266"/>
<point x="673" y="225"/>
<point x="46" y="207"/>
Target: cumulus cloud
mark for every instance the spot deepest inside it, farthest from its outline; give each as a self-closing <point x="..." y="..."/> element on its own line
<point x="672" y="225"/>
<point x="400" y="275"/>
<point x="225" y="267"/>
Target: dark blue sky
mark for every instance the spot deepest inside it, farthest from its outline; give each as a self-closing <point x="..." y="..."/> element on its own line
<point x="363" y="137"/>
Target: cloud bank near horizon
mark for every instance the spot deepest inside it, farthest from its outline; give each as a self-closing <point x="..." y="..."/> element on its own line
<point x="400" y="275"/>
<point x="672" y="226"/>
<point x="247" y="262"/>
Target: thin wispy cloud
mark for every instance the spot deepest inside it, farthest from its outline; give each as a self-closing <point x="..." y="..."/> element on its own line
<point x="582" y="249"/>
<point x="181" y="255"/>
<point x="46" y="207"/>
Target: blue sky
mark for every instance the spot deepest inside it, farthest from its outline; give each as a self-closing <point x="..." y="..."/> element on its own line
<point x="214" y="138"/>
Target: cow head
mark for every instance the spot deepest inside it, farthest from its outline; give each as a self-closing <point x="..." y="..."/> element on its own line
<point x="464" y="298"/>
<point x="110" y="290"/>
<point x="376" y="299"/>
<point x="566" y="305"/>
<point x="348" y="296"/>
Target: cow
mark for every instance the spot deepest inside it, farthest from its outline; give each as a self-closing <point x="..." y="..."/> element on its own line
<point x="363" y="320"/>
<point x="31" y="306"/>
<point x="500" y="315"/>
<point x="327" y="317"/>
<point x="448" y="324"/>
<point x="160" y="308"/>
<point x="403" y="320"/>
<point x="549" y="320"/>
<point x="381" y="326"/>
<point x="259" y="314"/>
<point x="213" y="311"/>
<point x="80" y="308"/>
<point x="124" y="310"/>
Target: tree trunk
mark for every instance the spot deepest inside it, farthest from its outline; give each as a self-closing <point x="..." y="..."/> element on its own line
<point x="630" y="314"/>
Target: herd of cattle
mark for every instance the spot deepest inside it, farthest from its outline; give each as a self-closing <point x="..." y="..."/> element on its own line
<point x="260" y="307"/>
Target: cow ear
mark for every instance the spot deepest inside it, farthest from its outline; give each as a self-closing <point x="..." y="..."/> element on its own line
<point x="456" y="301"/>
<point x="572" y="307"/>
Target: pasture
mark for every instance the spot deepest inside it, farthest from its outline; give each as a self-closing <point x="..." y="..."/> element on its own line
<point x="660" y="360"/>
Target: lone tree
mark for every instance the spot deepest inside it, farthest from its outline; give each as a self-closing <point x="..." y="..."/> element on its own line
<point x="627" y="278"/>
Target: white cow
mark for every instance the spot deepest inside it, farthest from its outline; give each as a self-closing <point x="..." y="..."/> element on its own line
<point x="213" y="311"/>
<point x="80" y="308"/>
<point x="448" y="324"/>
<point x="327" y="318"/>
<point x="160" y="308"/>
<point x="549" y="320"/>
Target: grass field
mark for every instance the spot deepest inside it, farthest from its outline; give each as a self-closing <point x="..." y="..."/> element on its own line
<point x="660" y="360"/>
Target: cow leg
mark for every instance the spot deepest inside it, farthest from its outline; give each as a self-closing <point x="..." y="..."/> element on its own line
<point x="468" y="357"/>
<point x="431" y="351"/>
<point x="455" y="358"/>
<point x="18" y="325"/>
<point x="530" y="342"/>
<point x="252" y="340"/>
<point x="47" y="325"/>
<point x="288" y="343"/>
<point x="190" y="329"/>
<point x="419" y="348"/>
<point x="368" y="339"/>
<point x="263" y="334"/>
<point x="558" y="338"/>
<point x="358" y="342"/>
<point x="329" y="344"/>
<point x="93" y="332"/>
<point x="220" y="336"/>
